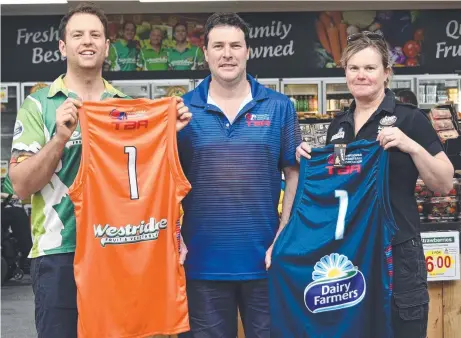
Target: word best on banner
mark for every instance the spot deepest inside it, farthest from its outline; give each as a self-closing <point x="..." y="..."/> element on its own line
<point x="441" y="250"/>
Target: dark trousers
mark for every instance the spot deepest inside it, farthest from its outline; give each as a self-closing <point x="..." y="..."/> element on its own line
<point x="410" y="303"/>
<point x="213" y="307"/>
<point x="55" y="293"/>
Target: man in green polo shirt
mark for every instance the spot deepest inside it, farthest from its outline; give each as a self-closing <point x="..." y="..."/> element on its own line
<point x="154" y="56"/>
<point x="123" y="53"/>
<point x="45" y="159"/>
<point x="184" y="56"/>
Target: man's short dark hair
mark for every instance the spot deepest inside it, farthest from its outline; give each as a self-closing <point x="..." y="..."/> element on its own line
<point x="227" y="19"/>
<point x="83" y="8"/>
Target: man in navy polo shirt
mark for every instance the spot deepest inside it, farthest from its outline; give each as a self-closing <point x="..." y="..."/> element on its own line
<point x="241" y="137"/>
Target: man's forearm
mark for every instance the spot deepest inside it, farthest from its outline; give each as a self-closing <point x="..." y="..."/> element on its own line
<point x="32" y="174"/>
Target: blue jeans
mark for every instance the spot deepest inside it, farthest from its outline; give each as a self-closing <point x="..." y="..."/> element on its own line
<point x="55" y="293"/>
<point x="213" y="308"/>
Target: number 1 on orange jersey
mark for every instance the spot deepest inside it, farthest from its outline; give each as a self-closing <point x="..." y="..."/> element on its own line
<point x="132" y="175"/>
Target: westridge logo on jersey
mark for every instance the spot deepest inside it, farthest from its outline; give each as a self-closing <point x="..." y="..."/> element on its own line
<point x="130" y="233"/>
<point x="337" y="284"/>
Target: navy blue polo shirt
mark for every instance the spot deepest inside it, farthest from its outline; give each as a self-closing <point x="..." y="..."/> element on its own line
<point x="230" y="215"/>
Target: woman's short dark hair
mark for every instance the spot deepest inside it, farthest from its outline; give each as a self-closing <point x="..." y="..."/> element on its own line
<point x="83" y="8"/>
<point x="227" y="19"/>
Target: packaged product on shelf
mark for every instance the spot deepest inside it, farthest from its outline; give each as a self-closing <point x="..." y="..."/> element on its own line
<point x="321" y="127"/>
<point x="445" y="124"/>
<point x="448" y="135"/>
<point x="442" y="119"/>
<point x="421" y="209"/>
<point x="440" y="113"/>
<point x="421" y="190"/>
<point x="443" y="209"/>
<point x="320" y="140"/>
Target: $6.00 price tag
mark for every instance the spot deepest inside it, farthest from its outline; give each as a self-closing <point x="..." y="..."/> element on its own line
<point x="441" y="250"/>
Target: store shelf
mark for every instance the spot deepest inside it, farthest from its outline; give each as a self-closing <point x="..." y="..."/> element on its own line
<point x="311" y="121"/>
<point x="440" y="226"/>
<point x="339" y="93"/>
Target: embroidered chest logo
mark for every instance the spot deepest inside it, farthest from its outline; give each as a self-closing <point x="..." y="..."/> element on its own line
<point x="258" y="120"/>
<point x="387" y="121"/>
<point x="339" y="135"/>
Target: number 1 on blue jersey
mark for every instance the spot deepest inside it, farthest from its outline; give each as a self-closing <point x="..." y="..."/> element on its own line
<point x="343" y="203"/>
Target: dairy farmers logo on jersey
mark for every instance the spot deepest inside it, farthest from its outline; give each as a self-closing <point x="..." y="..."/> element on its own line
<point x="129" y="233"/>
<point x="258" y="120"/>
<point x="337" y="284"/>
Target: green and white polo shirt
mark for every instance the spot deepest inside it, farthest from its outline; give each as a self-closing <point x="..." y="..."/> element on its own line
<point x="53" y="218"/>
<point x="122" y="57"/>
<point x="190" y="59"/>
<point x="150" y="59"/>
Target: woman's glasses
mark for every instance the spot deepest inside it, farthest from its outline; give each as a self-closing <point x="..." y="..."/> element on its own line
<point x="370" y="35"/>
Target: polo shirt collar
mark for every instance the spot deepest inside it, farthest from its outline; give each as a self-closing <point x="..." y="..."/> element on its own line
<point x="200" y="95"/>
<point x="58" y="86"/>
<point x="386" y="106"/>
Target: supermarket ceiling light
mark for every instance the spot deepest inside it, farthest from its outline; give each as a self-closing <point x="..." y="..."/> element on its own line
<point x="32" y="2"/>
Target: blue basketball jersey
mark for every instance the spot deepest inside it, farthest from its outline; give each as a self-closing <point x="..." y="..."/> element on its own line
<point x="331" y="272"/>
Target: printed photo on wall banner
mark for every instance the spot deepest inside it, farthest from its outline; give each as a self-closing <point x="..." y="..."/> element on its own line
<point x="286" y="44"/>
<point x="153" y="42"/>
<point x="402" y="31"/>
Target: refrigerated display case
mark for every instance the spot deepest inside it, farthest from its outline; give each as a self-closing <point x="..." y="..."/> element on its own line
<point x="134" y="89"/>
<point x="399" y="83"/>
<point x="164" y="88"/>
<point x="305" y="94"/>
<point x="27" y="86"/>
<point x="10" y="103"/>
<point x="337" y="97"/>
<point x="273" y="84"/>
<point x="438" y="89"/>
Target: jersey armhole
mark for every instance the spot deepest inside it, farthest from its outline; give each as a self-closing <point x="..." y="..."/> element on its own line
<point x="299" y="189"/>
<point x="182" y="184"/>
<point x="384" y="192"/>
<point x="75" y="188"/>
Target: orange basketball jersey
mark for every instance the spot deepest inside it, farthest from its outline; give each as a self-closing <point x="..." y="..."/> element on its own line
<point x="126" y="195"/>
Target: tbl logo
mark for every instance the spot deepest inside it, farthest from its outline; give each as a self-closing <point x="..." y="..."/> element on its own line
<point x="337" y="284"/>
<point x="118" y="115"/>
<point x="258" y="120"/>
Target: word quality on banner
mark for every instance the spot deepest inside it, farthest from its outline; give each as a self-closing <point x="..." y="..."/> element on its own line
<point x="442" y="253"/>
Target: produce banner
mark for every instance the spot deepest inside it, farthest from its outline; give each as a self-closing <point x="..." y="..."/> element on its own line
<point x="301" y="44"/>
<point x="403" y="32"/>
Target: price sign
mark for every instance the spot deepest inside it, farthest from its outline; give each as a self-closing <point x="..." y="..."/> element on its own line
<point x="3" y="94"/>
<point x="441" y="250"/>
